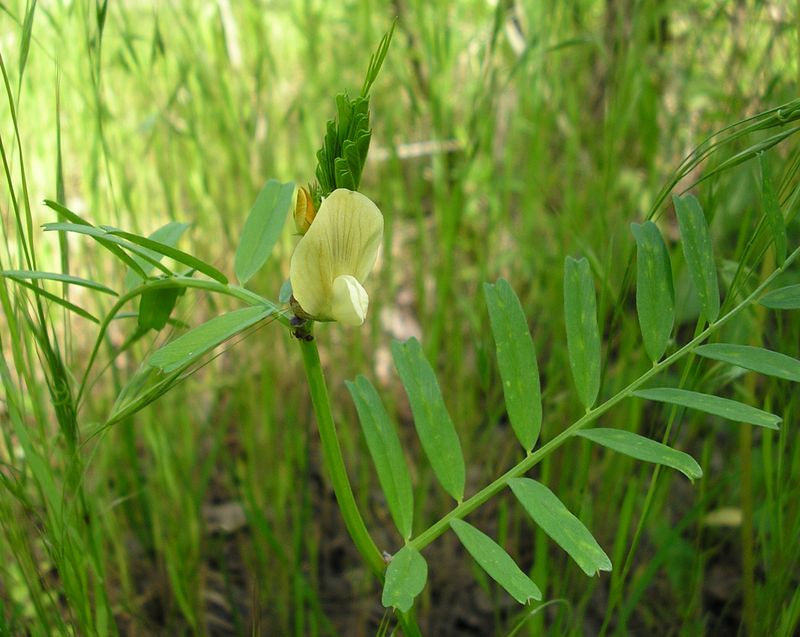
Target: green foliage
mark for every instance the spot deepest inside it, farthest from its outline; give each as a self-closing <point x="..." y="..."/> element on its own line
<point x="772" y="210"/>
<point x="344" y="149"/>
<point x="516" y="359"/>
<point x="386" y="452"/>
<point x="699" y="253"/>
<point x="583" y="335"/>
<point x="263" y="227"/>
<point x="496" y="562"/>
<point x="550" y="514"/>
<point x="168" y="234"/>
<point x="156" y="307"/>
<point x="405" y="579"/>
<point x="644" y="449"/>
<point x="189" y="347"/>
<point x="723" y="407"/>
<point x="757" y="359"/>
<point x="108" y="244"/>
<point x="26" y="275"/>
<point x="655" y="296"/>
<point x="787" y="298"/>
<point x="431" y="418"/>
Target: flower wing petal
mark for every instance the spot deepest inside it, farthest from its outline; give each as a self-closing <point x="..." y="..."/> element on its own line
<point x="310" y="274"/>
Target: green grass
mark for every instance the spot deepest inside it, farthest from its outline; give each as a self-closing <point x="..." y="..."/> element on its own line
<point x="555" y="125"/>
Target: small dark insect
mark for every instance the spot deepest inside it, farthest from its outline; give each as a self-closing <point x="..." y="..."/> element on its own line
<point x="301" y="329"/>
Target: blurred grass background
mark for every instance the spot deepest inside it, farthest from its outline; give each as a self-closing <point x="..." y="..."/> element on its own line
<point x="507" y="135"/>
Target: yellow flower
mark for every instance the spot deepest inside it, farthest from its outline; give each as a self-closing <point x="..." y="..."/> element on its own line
<point x="335" y="256"/>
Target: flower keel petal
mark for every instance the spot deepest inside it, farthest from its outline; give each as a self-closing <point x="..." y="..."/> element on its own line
<point x="350" y="301"/>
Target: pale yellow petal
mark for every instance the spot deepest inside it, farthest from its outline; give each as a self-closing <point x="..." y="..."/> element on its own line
<point x="310" y="276"/>
<point x="353" y="227"/>
<point x="350" y="301"/>
<point x="343" y="240"/>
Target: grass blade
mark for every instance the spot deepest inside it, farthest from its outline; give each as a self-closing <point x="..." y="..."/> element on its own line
<point x="60" y="301"/>
<point x="498" y="564"/>
<point x="699" y="253"/>
<point x="772" y="210"/>
<point x="187" y="348"/>
<point x="405" y="578"/>
<point x="263" y="227"/>
<point x="641" y="448"/>
<point x="723" y="407"/>
<point x="25" y="44"/>
<point x="757" y="359"/>
<point x="431" y="418"/>
<point x="565" y="529"/>
<point x="516" y="358"/>
<point x="787" y="298"/>
<point x="387" y="453"/>
<point x="655" y="297"/>
<point x="583" y="335"/>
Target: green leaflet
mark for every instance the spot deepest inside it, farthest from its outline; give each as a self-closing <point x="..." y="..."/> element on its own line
<point x="168" y="234"/>
<point x="386" y="452"/>
<point x="772" y="210"/>
<point x="516" y="358"/>
<point x="699" y="253"/>
<point x="756" y="359"/>
<point x="583" y="335"/>
<point x="405" y="578"/>
<point x="723" y="407"/>
<point x="493" y="559"/>
<point x="431" y="418"/>
<point x="156" y="306"/>
<point x="553" y="518"/>
<point x="787" y="298"/>
<point x="262" y="228"/>
<point x="189" y="347"/>
<point x="144" y="388"/>
<point x="642" y="448"/>
<point x="173" y="253"/>
<point x="655" y="297"/>
<point x="341" y="159"/>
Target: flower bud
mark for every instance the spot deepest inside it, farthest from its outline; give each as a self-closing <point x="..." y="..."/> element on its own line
<point x="304" y="212"/>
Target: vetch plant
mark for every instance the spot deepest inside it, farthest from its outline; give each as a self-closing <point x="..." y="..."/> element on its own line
<point x="341" y="233"/>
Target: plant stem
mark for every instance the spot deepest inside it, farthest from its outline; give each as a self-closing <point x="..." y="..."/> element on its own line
<point x="532" y="459"/>
<point x="334" y="462"/>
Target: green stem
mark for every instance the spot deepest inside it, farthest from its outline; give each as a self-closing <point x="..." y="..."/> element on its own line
<point x="334" y="462"/>
<point x="532" y="459"/>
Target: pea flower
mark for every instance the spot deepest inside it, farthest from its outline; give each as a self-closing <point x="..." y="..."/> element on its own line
<point x="334" y="257"/>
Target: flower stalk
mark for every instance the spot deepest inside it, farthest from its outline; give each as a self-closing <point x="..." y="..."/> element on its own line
<point x="334" y="462"/>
